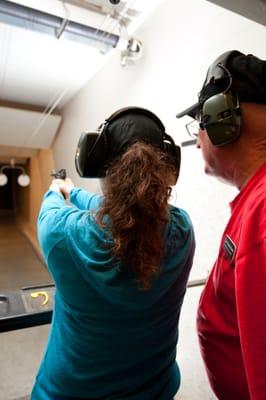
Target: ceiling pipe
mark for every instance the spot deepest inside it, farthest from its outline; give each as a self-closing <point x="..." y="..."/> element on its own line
<point x="29" y="18"/>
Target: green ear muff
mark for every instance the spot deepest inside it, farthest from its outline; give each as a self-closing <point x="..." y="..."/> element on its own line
<point x="221" y="118"/>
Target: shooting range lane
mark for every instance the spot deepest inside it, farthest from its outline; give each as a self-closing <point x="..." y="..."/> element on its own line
<point x="20" y="267"/>
<point x="19" y="264"/>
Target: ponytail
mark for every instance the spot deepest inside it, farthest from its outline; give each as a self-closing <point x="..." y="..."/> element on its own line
<point x="137" y="190"/>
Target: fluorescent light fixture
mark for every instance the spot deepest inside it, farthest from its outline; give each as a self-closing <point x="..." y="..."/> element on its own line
<point x="23" y="180"/>
<point x="3" y="179"/>
<point x="29" y="18"/>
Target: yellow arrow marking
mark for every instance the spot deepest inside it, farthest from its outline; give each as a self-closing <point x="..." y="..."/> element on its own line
<point x="34" y="295"/>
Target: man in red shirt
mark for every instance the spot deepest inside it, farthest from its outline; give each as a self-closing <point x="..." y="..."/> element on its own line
<point x="231" y="319"/>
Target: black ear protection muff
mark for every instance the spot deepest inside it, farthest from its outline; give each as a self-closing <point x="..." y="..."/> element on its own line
<point x="93" y="155"/>
<point x="220" y="113"/>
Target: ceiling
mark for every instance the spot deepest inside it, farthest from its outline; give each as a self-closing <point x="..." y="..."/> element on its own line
<point x="43" y="66"/>
<point x="124" y="10"/>
<point x="251" y="9"/>
<point x="38" y="68"/>
<point x="41" y="69"/>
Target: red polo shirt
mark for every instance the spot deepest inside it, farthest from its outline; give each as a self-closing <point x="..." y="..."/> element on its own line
<point x="231" y="320"/>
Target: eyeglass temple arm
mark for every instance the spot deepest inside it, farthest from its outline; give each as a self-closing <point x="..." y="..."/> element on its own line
<point x="191" y="142"/>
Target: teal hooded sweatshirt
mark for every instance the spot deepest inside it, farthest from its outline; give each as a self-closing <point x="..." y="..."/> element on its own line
<point x="108" y="340"/>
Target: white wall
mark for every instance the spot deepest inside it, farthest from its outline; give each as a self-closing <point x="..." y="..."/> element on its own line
<point x="181" y="39"/>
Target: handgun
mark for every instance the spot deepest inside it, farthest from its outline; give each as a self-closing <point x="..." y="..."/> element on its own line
<point x="61" y="174"/>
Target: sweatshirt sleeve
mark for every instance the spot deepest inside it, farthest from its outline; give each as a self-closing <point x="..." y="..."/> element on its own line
<point x="52" y="219"/>
<point x="83" y="199"/>
<point x="251" y="300"/>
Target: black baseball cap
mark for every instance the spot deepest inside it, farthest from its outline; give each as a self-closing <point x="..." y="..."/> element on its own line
<point x="248" y="80"/>
<point x="132" y="124"/>
<point x="131" y="127"/>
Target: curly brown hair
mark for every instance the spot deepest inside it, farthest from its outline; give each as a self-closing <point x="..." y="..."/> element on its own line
<point x="137" y="189"/>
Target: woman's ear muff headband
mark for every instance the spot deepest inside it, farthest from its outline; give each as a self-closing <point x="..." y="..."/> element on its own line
<point x="92" y="151"/>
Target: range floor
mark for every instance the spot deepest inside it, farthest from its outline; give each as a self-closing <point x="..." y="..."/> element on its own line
<point x="20" y="266"/>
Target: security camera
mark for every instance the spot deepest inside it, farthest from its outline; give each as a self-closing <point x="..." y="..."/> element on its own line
<point x="114" y="1"/>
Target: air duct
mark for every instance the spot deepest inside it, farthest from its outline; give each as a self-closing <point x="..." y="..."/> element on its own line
<point x="29" y="18"/>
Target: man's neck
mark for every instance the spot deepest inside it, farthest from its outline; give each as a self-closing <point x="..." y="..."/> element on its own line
<point x="247" y="171"/>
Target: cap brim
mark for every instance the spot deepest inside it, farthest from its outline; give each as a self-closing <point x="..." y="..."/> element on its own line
<point x="191" y="111"/>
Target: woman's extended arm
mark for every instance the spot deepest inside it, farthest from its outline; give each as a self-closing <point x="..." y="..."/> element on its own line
<point x="79" y="197"/>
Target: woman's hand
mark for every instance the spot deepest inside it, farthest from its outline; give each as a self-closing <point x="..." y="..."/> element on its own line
<point x="63" y="186"/>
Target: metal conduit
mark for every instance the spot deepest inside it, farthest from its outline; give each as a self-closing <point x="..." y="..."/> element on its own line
<point x="196" y="282"/>
<point x="29" y="18"/>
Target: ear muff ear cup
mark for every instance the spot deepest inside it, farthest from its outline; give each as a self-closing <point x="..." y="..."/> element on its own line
<point x="221" y="118"/>
<point x="178" y="160"/>
<point x="173" y="150"/>
<point x="220" y="110"/>
<point x="91" y="154"/>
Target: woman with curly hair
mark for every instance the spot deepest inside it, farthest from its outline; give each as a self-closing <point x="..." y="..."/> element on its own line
<point x="120" y="262"/>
